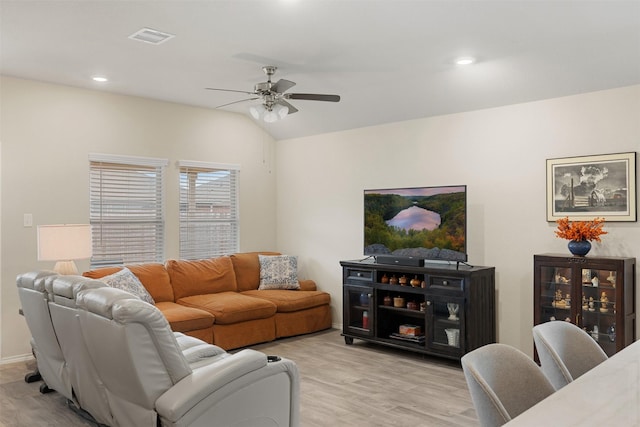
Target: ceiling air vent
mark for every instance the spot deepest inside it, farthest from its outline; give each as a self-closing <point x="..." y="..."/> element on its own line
<point x="151" y="36"/>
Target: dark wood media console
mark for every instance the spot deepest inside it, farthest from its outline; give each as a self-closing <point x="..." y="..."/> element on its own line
<point x="436" y="309"/>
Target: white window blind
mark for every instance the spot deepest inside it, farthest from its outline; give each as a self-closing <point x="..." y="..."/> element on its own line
<point x="209" y="220"/>
<point x="126" y="210"/>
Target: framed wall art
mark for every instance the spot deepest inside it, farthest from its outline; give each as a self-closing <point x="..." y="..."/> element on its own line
<point x="586" y="187"/>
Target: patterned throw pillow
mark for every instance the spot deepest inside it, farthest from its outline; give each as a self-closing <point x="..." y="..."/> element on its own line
<point x="278" y="272"/>
<point x="127" y="281"/>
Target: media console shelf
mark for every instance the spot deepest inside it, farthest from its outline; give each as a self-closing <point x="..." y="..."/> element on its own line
<point x="436" y="309"/>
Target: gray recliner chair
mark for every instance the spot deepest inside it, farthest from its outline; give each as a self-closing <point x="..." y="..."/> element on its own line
<point x="565" y="351"/>
<point x="50" y="359"/>
<point x="503" y="382"/>
<point x="87" y="386"/>
<point x="149" y="380"/>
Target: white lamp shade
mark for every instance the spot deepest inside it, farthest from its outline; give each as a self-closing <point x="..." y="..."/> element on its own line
<point x="64" y="242"/>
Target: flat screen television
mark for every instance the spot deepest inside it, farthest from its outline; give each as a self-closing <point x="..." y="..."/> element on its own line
<point x="420" y="223"/>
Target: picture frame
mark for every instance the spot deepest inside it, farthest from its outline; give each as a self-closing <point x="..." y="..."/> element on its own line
<point x="583" y="188"/>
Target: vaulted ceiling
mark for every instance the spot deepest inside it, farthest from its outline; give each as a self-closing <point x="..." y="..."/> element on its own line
<point x="390" y="60"/>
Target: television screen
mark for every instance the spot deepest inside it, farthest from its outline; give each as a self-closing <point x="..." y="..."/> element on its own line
<point x="421" y="222"/>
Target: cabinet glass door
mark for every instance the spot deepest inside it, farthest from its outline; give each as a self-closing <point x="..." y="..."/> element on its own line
<point x="598" y="307"/>
<point x="556" y="294"/>
<point x="359" y="313"/>
<point x="446" y="324"/>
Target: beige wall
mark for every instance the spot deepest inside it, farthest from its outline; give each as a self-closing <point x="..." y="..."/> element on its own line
<point x="498" y="153"/>
<point x="47" y="132"/>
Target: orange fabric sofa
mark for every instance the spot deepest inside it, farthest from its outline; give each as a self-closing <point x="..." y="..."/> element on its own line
<point x="218" y="301"/>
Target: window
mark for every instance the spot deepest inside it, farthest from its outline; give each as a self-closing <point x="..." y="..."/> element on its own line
<point x="209" y="224"/>
<point x="126" y="209"/>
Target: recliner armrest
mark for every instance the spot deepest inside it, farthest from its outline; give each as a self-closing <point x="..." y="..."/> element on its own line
<point x="203" y="381"/>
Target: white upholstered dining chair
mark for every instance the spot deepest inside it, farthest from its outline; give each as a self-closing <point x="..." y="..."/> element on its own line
<point x="503" y="382"/>
<point x="565" y="351"/>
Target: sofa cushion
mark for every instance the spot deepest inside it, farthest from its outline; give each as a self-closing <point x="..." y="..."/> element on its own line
<point x="303" y="321"/>
<point x="185" y="319"/>
<point x="278" y="272"/>
<point x="231" y="307"/>
<point x="247" y="269"/>
<point x="153" y="276"/>
<point x="127" y="281"/>
<point x="288" y="301"/>
<point x="242" y="334"/>
<point x="206" y="276"/>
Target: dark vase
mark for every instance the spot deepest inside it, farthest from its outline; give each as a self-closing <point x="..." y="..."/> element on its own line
<point x="579" y="247"/>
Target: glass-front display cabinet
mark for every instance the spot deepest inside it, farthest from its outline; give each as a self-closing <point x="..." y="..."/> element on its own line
<point x="595" y="293"/>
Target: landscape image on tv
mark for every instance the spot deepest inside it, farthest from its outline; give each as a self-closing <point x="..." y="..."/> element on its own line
<point x="423" y="222"/>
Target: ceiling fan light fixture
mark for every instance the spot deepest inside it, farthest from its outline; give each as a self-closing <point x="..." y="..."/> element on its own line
<point x="257" y="111"/>
<point x="270" y="117"/>
<point x="281" y="111"/>
<point x="273" y="99"/>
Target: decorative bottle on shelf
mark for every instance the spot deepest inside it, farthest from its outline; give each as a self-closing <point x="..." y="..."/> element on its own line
<point x="365" y="320"/>
<point x="384" y="279"/>
<point x="364" y="299"/>
<point x="403" y="280"/>
<point x="612" y="333"/>
<point x="415" y="282"/>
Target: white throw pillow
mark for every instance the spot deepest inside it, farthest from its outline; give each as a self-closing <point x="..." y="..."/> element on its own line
<point x="278" y="272"/>
<point x="127" y="281"/>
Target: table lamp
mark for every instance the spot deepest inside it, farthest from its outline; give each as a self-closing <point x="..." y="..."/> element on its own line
<point x="64" y="243"/>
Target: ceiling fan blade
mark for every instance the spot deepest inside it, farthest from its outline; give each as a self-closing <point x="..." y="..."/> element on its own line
<point x="282" y="85"/>
<point x="230" y="90"/>
<point x="291" y="108"/>
<point x="237" y="102"/>
<point x="313" y="97"/>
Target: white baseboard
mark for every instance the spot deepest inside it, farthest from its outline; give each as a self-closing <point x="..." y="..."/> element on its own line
<point x="16" y="359"/>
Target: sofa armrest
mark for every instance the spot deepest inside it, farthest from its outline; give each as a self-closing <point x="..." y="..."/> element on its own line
<point x="307" y="285"/>
<point x="205" y="380"/>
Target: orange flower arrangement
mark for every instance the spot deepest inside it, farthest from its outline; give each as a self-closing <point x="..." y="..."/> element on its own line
<point x="580" y="230"/>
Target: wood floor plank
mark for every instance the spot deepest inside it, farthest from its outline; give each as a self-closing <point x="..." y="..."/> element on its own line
<point x="359" y="385"/>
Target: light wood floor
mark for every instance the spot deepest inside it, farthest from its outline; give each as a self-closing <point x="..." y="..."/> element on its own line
<point x="359" y="385"/>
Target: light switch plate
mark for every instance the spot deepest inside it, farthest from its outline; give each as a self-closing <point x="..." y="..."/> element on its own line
<point x="28" y="220"/>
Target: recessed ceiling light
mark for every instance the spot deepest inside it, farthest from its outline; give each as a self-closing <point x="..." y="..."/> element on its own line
<point x="465" y="60"/>
<point x="100" y="79"/>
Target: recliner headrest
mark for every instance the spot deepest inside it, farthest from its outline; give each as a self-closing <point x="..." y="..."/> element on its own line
<point x="34" y="279"/>
<point x="70" y="286"/>
<point x="102" y="300"/>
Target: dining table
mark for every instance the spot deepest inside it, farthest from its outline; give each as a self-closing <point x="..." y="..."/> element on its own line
<point x="607" y="395"/>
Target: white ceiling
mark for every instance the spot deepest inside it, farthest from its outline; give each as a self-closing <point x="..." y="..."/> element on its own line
<point x="390" y="60"/>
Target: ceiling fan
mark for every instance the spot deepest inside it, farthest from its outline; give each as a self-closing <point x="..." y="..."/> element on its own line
<point x="274" y="105"/>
